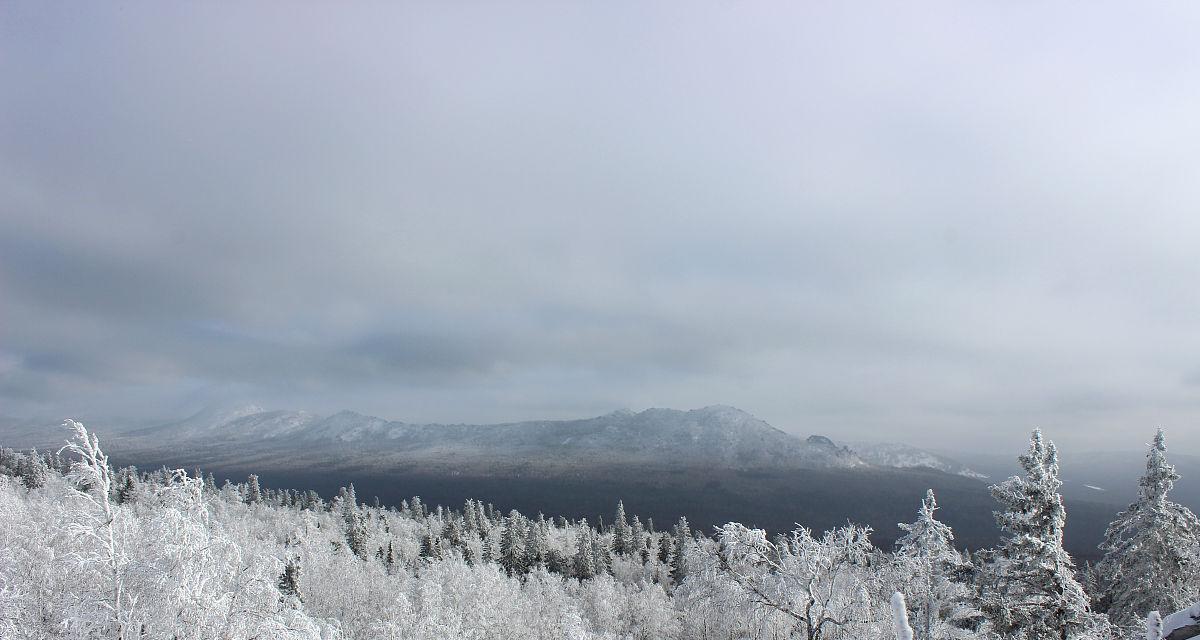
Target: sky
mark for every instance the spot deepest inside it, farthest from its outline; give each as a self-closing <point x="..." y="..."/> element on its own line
<point x="943" y="224"/>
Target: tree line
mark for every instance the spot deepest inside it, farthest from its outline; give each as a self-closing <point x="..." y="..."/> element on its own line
<point x="89" y="551"/>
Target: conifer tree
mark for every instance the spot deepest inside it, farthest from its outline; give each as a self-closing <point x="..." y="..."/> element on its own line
<point x="389" y="560"/>
<point x="585" y="560"/>
<point x="621" y="543"/>
<point x="289" y="581"/>
<point x="927" y="556"/>
<point x="430" y="549"/>
<point x="1151" y="551"/>
<point x="536" y="544"/>
<point x="356" y="535"/>
<point x="33" y="470"/>
<point x="126" y="486"/>
<point x="637" y="536"/>
<point x="601" y="555"/>
<point x="665" y="545"/>
<point x="470" y="517"/>
<point x="1030" y="589"/>
<point x="253" y="490"/>
<point x="512" y="544"/>
<point x="482" y="520"/>
<point x="683" y="535"/>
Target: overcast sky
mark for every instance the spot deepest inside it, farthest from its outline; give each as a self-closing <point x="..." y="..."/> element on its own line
<point x="942" y="223"/>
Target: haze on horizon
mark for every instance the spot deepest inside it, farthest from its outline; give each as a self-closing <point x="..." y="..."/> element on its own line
<point x="942" y="227"/>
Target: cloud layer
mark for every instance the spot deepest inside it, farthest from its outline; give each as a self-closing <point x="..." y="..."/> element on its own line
<point x="944" y="225"/>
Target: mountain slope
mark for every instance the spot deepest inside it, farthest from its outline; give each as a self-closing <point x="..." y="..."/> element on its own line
<point x="902" y="456"/>
<point x="719" y="436"/>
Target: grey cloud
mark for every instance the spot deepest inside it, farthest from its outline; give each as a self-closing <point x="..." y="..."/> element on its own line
<point x="938" y="226"/>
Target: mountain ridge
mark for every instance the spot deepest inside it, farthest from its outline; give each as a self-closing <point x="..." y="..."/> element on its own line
<point x="716" y="434"/>
<point x="712" y="435"/>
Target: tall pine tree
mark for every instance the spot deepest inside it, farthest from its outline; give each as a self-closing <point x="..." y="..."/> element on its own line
<point x="936" y="594"/>
<point x="1029" y="588"/>
<point x="512" y="544"/>
<point x="621" y="531"/>
<point x="1151" y="550"/>
<point x="683" y="536"/>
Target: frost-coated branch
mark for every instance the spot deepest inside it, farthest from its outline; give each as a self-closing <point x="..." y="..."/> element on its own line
<point x="93" y="473"/>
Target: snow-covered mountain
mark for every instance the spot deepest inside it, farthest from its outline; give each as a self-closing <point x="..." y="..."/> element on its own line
<point x="716" y="435"/>
<point x="902" y="456"/>
<point x="719" y="436"/>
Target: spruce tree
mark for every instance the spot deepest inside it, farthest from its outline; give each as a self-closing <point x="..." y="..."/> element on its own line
<point x="289" y="581"/>
<point x="126" y="486"/>
<point x="683" y="535"/>
<point x="430" y="549"/>
<point x="470" y="518"/>
<point x="637" y="535"/>
<point x="253" y="490"/>
<point x="1030" y="589"/>
<point x="33" y="470"/>
<point x="601" y="555"/>
<point x="512" y="544"/>
<point x="665" y="545"/>
<point x="356" y="535"/>
<point x="621" y="543"/>
<point x="926" y="554"/>
<point x="389" y="560"/>
<point x="585" y="560"/>
<point x="536" y="543"/>
<point x="1151" y="550"/>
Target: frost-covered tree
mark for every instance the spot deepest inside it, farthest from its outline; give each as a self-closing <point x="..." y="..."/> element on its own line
<point x="126" y="483"/>
<point x="536" y="544"/>
<point x="102" y="518"/>
<point x="253" y="490"/>
<point x="1151" y="551"/>
<point x="512" y="544"/>
<point x="585" y="558"/>
<point x="33" y="470"/>
<point x="1029" y="588"/>
<point x="821" y="586"/>
<point x="937" y="595"/>
<point x="289" y="580"/>
<point x="637" y="541"/>
<point x="357" y="535"/>
<point x="622" y="534"/>
<point x="601" y="554"/>
<point x="682" y="536"/>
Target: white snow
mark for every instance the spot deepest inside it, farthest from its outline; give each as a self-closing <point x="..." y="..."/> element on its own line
<point x="900" y="612"/>
<point x="1180" y="619"/>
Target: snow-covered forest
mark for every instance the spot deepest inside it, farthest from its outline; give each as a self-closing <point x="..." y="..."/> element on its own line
<point x="89" y="551"/>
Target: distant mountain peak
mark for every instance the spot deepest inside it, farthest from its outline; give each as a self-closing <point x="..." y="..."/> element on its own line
<point x="722" y="409"/>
